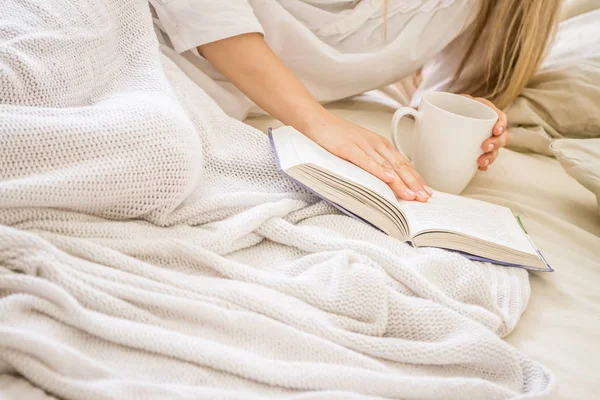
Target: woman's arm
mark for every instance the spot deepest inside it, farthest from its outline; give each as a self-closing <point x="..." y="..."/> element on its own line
<point x="250" y="64"/>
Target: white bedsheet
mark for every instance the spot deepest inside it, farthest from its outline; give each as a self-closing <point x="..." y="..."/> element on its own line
<point x="561" y="326"/>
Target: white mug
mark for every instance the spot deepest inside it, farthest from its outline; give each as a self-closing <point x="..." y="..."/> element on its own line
<point x="447" y="138"/>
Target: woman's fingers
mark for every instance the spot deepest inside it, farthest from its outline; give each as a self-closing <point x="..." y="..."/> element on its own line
<point x="389" y="151"/>
<point x="502" y="122"/>
<point x="495" y="142"/>
<point x="498" y="140"/>
<point x="362" y="159"/>
<point x="484" y="161"/>
<point x="405" y="170"/>
<point x="491" y="147"/>
<point x="487" y="159"/>
<point x="357" y="156"/>
<point x="408" y="177"/>
<point x="406" y="189"/>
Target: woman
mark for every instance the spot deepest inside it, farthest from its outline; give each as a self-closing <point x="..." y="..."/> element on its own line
<point x="289" y="56"/>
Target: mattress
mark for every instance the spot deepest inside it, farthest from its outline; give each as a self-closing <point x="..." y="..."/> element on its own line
<point x="561" y="326"/>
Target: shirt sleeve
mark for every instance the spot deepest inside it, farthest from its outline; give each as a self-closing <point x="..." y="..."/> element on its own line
<point x="192" y="23"/>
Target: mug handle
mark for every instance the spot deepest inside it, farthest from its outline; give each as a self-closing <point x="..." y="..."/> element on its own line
<point x="402" y="112"/>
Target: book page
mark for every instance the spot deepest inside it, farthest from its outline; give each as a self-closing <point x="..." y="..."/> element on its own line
<point x="294" y="148"/>
<point x="285" y="154"/>
<point x="490" y="222"/>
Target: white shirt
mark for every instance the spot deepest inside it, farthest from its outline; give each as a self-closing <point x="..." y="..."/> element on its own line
<point x="335" y="47"/>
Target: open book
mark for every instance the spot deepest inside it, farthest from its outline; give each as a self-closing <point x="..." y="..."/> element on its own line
<point x="478" y="230"/>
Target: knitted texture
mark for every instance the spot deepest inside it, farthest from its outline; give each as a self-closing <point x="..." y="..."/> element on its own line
<point x="149" y="249"/>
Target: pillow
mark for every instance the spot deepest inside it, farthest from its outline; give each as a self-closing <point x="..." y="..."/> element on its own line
<point x="581" y="159"/>
<point x="574" y="8"/>
<point x="563" y="99"/>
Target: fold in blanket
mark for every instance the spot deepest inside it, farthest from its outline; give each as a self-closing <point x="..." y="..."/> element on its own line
<point x="149" y="248"/>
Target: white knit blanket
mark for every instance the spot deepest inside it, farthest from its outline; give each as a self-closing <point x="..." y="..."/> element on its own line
<point x="149" y="249"/>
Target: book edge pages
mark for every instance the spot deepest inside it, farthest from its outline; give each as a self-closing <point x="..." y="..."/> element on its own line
<point x="410" y="239"/>
<point x="333" y="204"/>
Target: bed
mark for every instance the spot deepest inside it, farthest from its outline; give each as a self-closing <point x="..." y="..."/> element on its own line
<point x="561" y="325"/>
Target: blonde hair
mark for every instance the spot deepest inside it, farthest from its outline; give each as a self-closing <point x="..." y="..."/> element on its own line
<point x="516" y="34"/>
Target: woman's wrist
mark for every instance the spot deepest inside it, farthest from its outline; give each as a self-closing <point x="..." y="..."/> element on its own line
<point x="313" y="120"/>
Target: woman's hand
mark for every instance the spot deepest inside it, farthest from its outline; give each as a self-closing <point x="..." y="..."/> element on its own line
<point x="267" y="81"/>
<point x="370" y="152"/>
<point x="498" y="139"/>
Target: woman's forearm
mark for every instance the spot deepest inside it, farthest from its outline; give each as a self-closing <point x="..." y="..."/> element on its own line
<point x="250" y="64"/>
